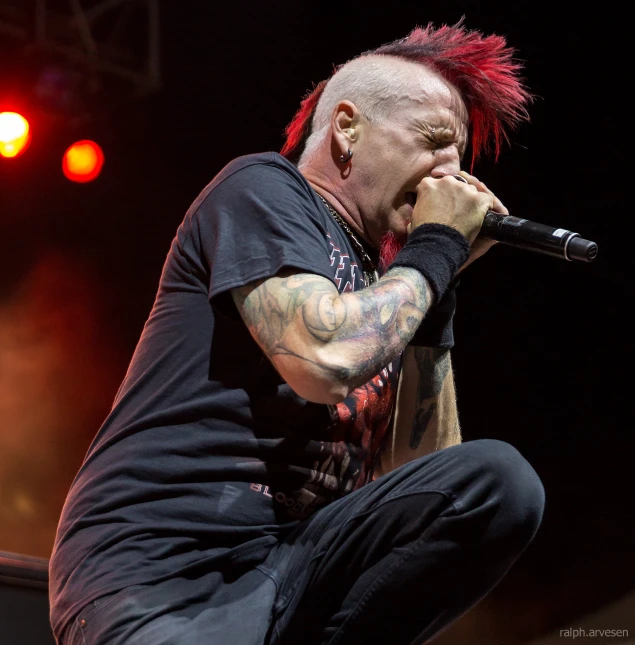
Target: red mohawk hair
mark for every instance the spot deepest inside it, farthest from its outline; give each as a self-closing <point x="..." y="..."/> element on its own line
<point x="481" y="67"/>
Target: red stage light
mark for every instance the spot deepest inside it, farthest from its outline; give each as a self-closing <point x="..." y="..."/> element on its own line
<point x="15" y="134"/>
<point x="83" y="161"/>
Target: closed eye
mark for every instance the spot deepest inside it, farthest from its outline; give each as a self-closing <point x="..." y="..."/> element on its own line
<point x="437" y="144"/>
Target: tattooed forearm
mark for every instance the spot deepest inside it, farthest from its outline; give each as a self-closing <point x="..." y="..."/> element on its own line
<point x="348" y="337"/>
<point x="396" y="304"/>
<point x="426" y="416"/>
<point x="420" y="424"/>
<point x="433" y="366"/>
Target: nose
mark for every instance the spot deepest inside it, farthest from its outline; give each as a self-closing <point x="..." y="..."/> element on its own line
<point x="448" y="162"/>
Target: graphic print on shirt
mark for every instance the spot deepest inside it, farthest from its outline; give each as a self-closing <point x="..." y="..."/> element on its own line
<point x="357" y="429"/>
<point x="345" y="463"/>
<point x="360" y="423"/>
<point x="345" y="270"/>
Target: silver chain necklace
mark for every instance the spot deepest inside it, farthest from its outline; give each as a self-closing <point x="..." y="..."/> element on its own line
<point x="369" y="270"/>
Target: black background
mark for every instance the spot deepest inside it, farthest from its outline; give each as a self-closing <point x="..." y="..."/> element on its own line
<point x="544" y="347"/>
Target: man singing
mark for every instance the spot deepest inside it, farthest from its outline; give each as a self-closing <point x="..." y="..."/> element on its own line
<point x="283" y="463"/>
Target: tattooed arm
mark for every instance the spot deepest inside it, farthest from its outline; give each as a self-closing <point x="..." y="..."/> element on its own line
<point x="426" y="417"/>
<point x="325" y="344"/>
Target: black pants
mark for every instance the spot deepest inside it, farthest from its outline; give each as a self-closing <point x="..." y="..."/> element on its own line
<point x="393" y="563"/>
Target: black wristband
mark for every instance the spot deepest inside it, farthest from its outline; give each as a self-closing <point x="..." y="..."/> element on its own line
<point x="437" y="251"/>
<point x="437" y="329"/>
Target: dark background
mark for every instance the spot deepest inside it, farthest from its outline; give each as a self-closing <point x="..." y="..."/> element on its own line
<point x="543" y="354"/>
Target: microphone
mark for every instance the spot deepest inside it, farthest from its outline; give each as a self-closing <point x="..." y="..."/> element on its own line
<point x="523" y="234"/>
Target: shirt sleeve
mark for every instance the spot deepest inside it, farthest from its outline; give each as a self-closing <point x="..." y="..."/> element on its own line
<point x="255" y="222"/>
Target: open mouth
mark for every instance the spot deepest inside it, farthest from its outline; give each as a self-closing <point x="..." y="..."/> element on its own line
<point x="411" y="198"/>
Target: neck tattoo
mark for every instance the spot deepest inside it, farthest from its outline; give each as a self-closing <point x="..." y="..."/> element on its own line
<point x="369" y="270"/>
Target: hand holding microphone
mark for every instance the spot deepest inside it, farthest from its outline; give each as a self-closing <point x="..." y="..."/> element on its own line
<point x="531" y="236"/>
<point x="443" y="201"/>
<point x="481" y="218"/>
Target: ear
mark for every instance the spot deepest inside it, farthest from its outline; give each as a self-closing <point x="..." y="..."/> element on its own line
<point x="345" y="126"/>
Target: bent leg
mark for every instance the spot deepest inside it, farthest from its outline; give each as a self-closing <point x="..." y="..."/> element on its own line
<point x="399" y="560"/>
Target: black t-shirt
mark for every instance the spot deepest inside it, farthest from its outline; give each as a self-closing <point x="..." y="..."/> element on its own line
<point x="207" y="456"/>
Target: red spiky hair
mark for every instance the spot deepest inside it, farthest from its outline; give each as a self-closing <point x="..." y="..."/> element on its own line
<point x="481" y="67"/>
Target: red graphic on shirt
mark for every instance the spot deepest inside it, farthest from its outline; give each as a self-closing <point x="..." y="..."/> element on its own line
<point x="360" y="425"/>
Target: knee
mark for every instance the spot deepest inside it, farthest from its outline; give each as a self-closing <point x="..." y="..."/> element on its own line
<point x="506" y="487"/>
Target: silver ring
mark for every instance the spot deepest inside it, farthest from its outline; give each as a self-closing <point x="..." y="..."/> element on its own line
<point x="461" y="178"/>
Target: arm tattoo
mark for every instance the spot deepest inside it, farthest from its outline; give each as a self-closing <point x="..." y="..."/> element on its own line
<point x="370" y="327"/>
<point x="420" y="424"/>
<point x="433" y="366"/>
<point x="268" y="311"/>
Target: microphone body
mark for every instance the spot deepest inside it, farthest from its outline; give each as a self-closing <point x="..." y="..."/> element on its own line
<point x="531" y="236"/>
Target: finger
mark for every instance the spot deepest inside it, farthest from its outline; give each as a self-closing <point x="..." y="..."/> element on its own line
<point x="486" y="197"/>
<point x="497" y="205"/>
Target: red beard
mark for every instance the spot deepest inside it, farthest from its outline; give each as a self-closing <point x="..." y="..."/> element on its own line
<point x="388" y="249"/>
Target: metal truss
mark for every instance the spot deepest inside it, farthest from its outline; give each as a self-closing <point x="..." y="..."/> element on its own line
<point x="116" y="38"/>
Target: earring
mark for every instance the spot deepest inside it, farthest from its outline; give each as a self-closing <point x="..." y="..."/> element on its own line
<point x="344" y="159"/>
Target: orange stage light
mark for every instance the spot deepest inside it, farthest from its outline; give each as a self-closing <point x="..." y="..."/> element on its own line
<point x="15" y="134"/>
<point x="83" y="161"/>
